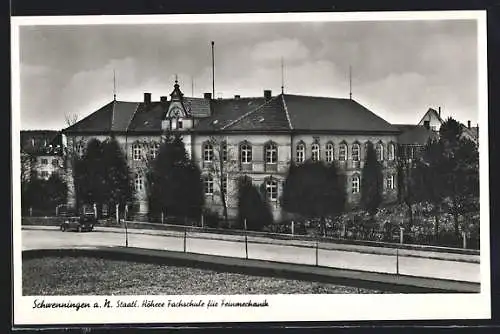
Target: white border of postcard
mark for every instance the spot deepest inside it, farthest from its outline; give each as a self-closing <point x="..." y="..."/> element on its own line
<point x="281" y="307"/>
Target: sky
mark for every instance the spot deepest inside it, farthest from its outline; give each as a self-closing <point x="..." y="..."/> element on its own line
<point x="399" y="68"/>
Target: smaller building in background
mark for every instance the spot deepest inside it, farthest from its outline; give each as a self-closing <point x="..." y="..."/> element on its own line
<point x="42" y="154"/>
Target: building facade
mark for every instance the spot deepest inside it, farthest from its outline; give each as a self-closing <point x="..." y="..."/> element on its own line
<point x="258" y="137"/>
<point x="41" y="154"/>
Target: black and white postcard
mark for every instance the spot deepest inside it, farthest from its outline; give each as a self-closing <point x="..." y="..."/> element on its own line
<point x="250" y="168"/>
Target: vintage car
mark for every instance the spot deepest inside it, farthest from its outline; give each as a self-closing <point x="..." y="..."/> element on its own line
<point x="82" y="223"/>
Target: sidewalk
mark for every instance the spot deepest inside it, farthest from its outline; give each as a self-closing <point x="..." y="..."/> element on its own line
<point x="389" y="282"/>
<point x="468" y="258"/>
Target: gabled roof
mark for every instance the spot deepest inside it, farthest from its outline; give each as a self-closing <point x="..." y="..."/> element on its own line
<point x="419" y="135"/>
<point x="325" y="113"/>
<point x="280" y="113"/>
<point x="431" y="113"/>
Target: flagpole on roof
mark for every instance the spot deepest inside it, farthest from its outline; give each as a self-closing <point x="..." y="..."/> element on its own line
<point x="114" y="85"/>
<point x="213" y="70"/>
<point x="350" y="82"/>
<point x="282" y="76"/>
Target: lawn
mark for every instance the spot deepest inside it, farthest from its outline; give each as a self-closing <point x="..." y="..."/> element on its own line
<point x="94" y="276"/>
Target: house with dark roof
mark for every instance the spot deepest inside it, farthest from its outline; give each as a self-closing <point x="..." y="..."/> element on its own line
<point x="42" y="153"/>
<point x="258" y="137"/>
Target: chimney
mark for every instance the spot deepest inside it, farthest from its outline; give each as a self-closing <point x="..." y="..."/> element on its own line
<point x="236" y="97"/>
<point x="147" y="98"/>
<point x="468" y="124"/>
<point x="439" y="112"/>
<point x="207" y="96"/>
<point x="267" y="94"/>
<point x="163" y="99"/>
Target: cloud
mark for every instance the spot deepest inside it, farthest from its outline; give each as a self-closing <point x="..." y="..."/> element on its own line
<point x="291" y="49"/>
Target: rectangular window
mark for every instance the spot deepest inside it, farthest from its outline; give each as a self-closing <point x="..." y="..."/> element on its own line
<point x="208" y="185"/>
<point x="136" y="152"/>
<point x="138" y="182"/>
<point x="315" y="152"/>
<point x="329" y="152"/>
<point x="301" y="154"/>
<point x="355" y="152"/>
<point x="390" y="182"/>
<point x="45" y="161"/>
<point x="272" y="189"/>
<point x="179" y="124"/>
<point x="45" y="174"/>
<point x="55" y="162"/>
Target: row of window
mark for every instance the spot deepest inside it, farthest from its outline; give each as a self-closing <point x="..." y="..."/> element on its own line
<point x="270" y="184"/>
<point x="271" y="152"/>
<point x="55" y="162"/>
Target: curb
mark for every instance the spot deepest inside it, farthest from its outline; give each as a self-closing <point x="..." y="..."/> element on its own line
<point x="325" y="246"/>
<point x="378" y="281"/>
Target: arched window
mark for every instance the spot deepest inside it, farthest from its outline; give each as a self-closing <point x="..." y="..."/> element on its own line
<point x="343" y="152"/>
<point x="300" y="152"/>
<point x="136" y="151"/>
<point x="208" y="152"/>
<point x="329" y="152"/>
<point x="355" y="184"/>
<point x="208" y="184"/>
<point x="154" y="149"/>
<point x="391" y="151"/>
<point x="272" y="189"/>
<point x="246" y="153"/>
<point x="138" y="182"/>
<point x="355" y="152"/>
<point x="271" y="153"/>
<point x="380" y="151"/>
<point x="315" y="152"/>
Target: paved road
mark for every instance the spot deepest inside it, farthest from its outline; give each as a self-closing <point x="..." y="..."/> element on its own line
<point x="51" y="237"/>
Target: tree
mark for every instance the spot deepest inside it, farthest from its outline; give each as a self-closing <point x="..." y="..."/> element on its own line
<point x="174" y="181"/>
<point x="314" y="190"/>
<point x="55" y="190"/>
<point x="410" y="186"/>
<point x="460" y="168"/>
<point x="221" y="167"/>
<point x="372" y="183"/>
<point x="90" y="179"/>
<point x="252" y="206"/>
<point x="118" y="181"/>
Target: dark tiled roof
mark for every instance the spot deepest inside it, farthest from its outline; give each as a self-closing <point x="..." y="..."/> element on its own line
<point x="419" y="135"/>
<point x="405" y="127"/>
<point x="98" y="121"/>
<point x="227" y="111"/>
<point x="122" y="115"/>
<point x="267" y="117"/>
<point x="322" y="113"/>
<point x="41" y="142"/>
<point x="198" y="107"/>
<point x="148" y="117"/>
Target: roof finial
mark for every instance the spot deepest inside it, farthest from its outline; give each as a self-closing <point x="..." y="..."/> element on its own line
<point x="176" y="81"/>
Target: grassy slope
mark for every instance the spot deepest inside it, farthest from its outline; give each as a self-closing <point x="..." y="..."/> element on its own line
<point x="93" y="276"/>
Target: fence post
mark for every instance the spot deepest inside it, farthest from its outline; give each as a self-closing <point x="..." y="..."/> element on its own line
<point x="117" y="212"/>
<point x="162" y="217"/>
<point x="397" y="261"/>
<point x="126" y="234"/>
<point x="31" y="211"/>
<point x="202" y="222"/>
<point x="316" y="253"/>
<point x="95" y="210"/>
<point x="464" y="239"/>
<point x="185" y="237"/>
<point x="246" y="239"/>
<point x="293" y="227"/>
<point x="401" y="235"/>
